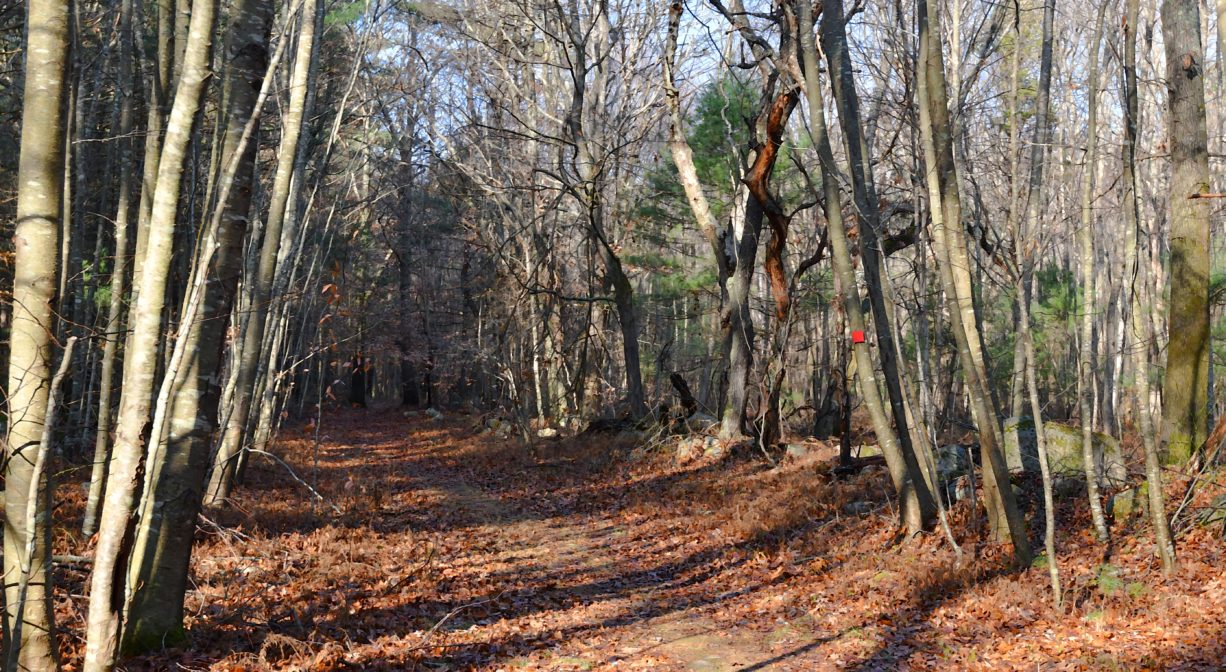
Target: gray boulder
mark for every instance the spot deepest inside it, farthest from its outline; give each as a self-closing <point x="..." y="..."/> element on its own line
<point x="952" y="461"/>
<point x="1063" y="451"/>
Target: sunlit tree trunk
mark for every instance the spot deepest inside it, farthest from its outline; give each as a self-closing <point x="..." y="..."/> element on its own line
<point x="1085" y="239"/>
<point x="1140" y="326"/>
<point x="40" y="208"/>
<point x="954" y="269"/>
<point x="1185" y="387"/>
<point x="119" y="270"/>
<point x="916" y="506"/>
<point x="105" y="617"/>
<point x="868" y="209"/>
<point x="178" y="465"/>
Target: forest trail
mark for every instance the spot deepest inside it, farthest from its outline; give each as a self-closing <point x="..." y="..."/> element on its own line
<point x="580" y="564"/>
<point x="586" y="548"/>
<point x="439" y="546"/>
<point x="454" y="550"/>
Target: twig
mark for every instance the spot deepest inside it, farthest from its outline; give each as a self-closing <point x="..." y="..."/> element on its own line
<point x="296" y="478"/>
<point x="37" y="491"/>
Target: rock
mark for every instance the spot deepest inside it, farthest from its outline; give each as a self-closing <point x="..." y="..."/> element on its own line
<point x="858" y="508"/>
<point x="868" y="450"/>
<point x="1063" y="487"/>
<point x="952" y="461"/>
<point x="547" y="432"/>
<point x="1064" y="454"/>
<point x="1063" y="451"/>
<point x="826" y="425"/>
<point x="433" y="414"/>
<point x="714" y="449"/>
<point x="699" y="422"/>
<point x="689" y="449"/>
<point x="797" y="450"/>
<point x="1127" y="503"/>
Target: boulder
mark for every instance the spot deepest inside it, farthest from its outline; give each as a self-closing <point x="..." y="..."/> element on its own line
<point x="1063" y="451"/>
<point x="1064" y="454"/>
<point x="796" y="450"/>
<point x="858" y="508"/>
<point x="1127" y="503"/>
<point x="433" y="414"/>
<point x="689" y="449"/>
<point x="1021" y="444"/>
<point x="547" y="432"/>
<point x="867" y="450"/>
<point x="952" y="461"/>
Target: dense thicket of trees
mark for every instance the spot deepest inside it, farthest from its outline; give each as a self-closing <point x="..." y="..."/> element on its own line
<point x="890" y="223"/>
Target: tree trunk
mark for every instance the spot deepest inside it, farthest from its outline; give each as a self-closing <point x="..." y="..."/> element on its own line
<point x="916" y="507"/>
<point x="1185" y="387"/>
<point x="221" y="481"/>
<point x="1141" y="326"/>
<point x="178" y="467"/>
<point x="119" y="272"/>
<point x="954" y="268"/>
<point x="104" y="622"/>
<point x="868" y="209"/>
<point x="1085" y="237"/>
<point x="40" y="209"/>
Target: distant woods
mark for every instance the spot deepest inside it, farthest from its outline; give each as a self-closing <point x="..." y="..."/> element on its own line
<point x="903" y="225"/>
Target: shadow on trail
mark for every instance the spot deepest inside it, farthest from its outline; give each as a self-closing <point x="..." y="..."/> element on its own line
<point x="414" y="477"/>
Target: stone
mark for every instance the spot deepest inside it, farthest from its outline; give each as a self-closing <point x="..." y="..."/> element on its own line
<point x="433" y="414"/>
<point x="1127" y="503"/>
<point x="857" y="508"/>
<point x="713" y="449"/>
<point x="1021" y="444"/>
<point x="1063" y="451"/>
<point x="1064" y="454"/>
<point x="952" y="461"/>
<point x="1063" y="487"/>
<point x="868" y="450"/>
<point x="689" y="449"/>
<point x="796" y="450"/>
<point x="547" y="432"/>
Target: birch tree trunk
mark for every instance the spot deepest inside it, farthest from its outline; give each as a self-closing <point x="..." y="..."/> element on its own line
<point x="177" y="468"/>
<point x="104" y="623"/>
<point x="119" y="270"/>
<point x="1085" y="238"/>
<point x="40" y="210"/>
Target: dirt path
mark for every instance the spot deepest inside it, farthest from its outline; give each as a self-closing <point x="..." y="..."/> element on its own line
<point x="443" y="548"/>
<point x="644" y="623"/>
<point x="456" y="551"/>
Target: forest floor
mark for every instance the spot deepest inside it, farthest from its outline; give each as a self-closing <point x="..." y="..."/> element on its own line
<point x="439" y="547"/>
